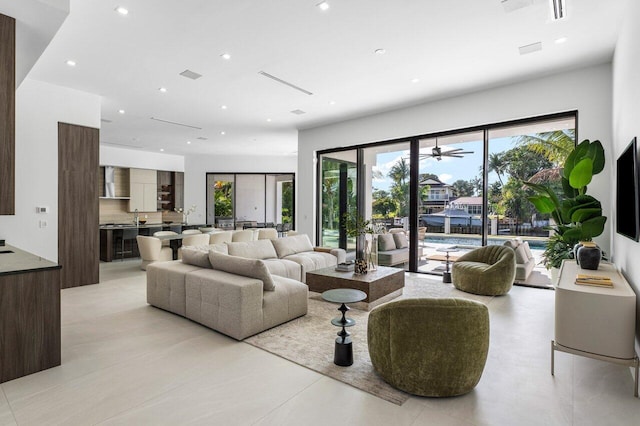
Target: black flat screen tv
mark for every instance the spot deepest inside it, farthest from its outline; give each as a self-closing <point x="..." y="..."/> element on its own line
<point x="627" y="192"/>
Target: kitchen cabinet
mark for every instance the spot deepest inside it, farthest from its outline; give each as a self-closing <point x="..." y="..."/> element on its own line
<point x="143" y="190"/>
<point x="170" y="190"/>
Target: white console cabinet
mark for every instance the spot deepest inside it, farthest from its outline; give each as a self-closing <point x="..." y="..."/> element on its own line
<point x="595" y="322"/>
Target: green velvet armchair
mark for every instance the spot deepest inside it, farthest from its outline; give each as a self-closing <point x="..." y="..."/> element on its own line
<point x="488" y="271"/>
<point x="429" y="347"/>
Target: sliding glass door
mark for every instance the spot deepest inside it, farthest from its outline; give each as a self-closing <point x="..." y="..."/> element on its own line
<point x="338" y="195"/>
<point x="455" y="189"/>
<point x="386" y="170"/>
<point x="450" y="196"/>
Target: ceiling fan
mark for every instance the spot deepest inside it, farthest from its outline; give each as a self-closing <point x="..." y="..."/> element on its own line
<point x="438" y="153"/>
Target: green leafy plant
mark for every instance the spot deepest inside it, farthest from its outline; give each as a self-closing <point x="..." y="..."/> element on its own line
<point x="556" y="251"/>
<point x="356" y="225"/>
<point x="577" y="216"/>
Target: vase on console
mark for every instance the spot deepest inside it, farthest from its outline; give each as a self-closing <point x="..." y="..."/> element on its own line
<point x="588" y="255"/>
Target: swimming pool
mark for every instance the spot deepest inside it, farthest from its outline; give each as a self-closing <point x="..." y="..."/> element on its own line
<point x="476" y="241"/>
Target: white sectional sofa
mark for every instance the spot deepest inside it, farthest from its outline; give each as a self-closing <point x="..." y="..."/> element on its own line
<point x="241" y="288"/>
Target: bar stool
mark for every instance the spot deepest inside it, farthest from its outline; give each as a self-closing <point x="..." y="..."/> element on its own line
<point x="129" y="234"/>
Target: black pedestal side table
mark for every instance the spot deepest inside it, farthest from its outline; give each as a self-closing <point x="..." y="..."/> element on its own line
<point x="446" y="275"/>
<point x="343" y="354"/>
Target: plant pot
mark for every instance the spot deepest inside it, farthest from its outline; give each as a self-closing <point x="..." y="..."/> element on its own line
<point x="589" y="256"/>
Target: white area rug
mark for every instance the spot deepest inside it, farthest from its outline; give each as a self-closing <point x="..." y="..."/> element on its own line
<point x="309" y="340"/>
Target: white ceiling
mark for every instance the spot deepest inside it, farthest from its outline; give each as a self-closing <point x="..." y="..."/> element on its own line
<point x="453" y="47"/>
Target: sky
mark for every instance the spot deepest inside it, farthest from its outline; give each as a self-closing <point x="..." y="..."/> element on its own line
<point x="449" y="169"/>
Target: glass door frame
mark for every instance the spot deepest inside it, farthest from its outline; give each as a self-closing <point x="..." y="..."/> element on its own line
<point x="415" y="171"/>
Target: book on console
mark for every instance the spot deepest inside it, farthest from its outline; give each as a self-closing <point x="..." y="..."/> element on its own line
<point x="594" y="280"/>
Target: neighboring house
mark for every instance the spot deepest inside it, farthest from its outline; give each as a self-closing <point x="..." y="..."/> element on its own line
<point x="472" y="205"/>
<point x="436" y="197"/>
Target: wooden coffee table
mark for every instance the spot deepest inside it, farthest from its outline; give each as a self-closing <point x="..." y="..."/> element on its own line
<point x="380" y="285"/>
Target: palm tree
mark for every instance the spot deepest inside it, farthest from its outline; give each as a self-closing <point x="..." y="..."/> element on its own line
<point x="555" y="145"/>
<point x="399" y="173"/>
<point x="497" y="164"/>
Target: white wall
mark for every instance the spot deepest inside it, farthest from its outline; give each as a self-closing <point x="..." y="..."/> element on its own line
<point x="250" y="197"/>
<point x="626" y="125"/>
<point x="197" y="167"/>
<point x="39" y="108"/>
<point x="122" y="157"/>
<point x="586" y="90"/>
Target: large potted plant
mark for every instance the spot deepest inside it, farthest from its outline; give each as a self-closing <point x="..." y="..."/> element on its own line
<point x="577" y="216"/>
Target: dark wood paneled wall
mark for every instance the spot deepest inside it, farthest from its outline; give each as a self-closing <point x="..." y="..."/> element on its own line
<point x="29" y="323"/>
<point x="7" y="115"/>
<point x="78" y="211"/>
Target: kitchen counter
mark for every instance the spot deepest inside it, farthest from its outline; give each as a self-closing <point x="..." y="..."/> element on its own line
<point x="29" y="313"/>
<point x="20" y="261"/>
<point x="110" y="232"/>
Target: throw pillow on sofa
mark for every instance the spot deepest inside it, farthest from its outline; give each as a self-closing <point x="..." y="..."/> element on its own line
<point x="292" y="245"/>
<point x="400" y="240"/>
<point x="196" y="256"/>
<point x="527" y="250"/>
<point x="386" y="242"/>
<point x="521" y="254"/>
<point x="259" y="249"/>
<point x="252" y="268"/>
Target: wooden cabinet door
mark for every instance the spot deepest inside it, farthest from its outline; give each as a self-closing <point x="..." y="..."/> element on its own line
<point x="150" y="202"/>
<point x="136" y="200"/>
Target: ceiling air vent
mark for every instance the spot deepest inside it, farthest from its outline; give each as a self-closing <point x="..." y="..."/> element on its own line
<point x="530" y="48"/>
<point x="202" y="138"/>
<point x="298" y="112"/>
<point x="104" y="120"/>
<point x="286" y="83"/>
<point x="511" y="5"/>
<point x="175" y="123"/>
<point x="190" y="74"/>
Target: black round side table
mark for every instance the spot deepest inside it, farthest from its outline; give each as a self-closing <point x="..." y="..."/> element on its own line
<point x="446" y="275"/>
<point x="343" y="353"/>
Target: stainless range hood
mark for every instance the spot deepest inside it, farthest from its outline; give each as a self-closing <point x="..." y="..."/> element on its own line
<point x="109" y="182"/>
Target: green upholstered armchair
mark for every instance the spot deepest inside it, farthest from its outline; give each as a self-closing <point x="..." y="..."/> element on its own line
<point x="429" y="347"/>
<point x="488" y="271"/>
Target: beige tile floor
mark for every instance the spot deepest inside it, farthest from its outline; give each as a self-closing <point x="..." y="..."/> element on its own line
<point x="127" y="363"/>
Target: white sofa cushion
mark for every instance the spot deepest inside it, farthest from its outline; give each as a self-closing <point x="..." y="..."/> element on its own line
<point x="527" y="250"/>
<point x="401" y="240"/>
<point x="291" y="245"/>
<point x="386" y="242"/>
<point x="196" y="256"/>
<point x="284" y="268"/>
<point x="312" y="260"/>
<point x="220" y="237"/>
<point x="253" y="268"/>
<point x="259" y="249"/>
<point x="166" y="285"/>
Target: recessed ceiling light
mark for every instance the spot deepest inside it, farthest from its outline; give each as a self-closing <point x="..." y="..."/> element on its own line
<point x="122" y="10"/>
<point x="323" y="5"/>
<point x="71" y="63"/>
<point x="163" y="89"/>
<point x="188" y="142"/>
<point x="223" y="107"/>
<point x="332" y="102"/>
<point x="380" y="51"/>
<point x="415" y="80"/>
<point x="223" y="133"/>
<point x="268" y="120"/>
<point x="561" y="40"/>
<point x="225" y="56"/>
<point x="161" y="149"/>
<point x="121" y="111"/>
